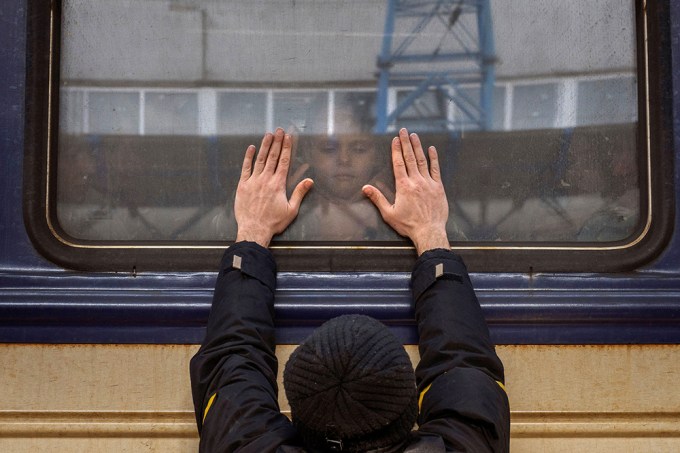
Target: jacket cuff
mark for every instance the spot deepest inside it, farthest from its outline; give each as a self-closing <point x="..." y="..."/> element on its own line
<point x="472" y="394"/>
<point x="252" y="260"/>
<point x="433" y="265"/>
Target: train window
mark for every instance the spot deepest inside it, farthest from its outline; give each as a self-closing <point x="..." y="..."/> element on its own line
<point x="541" y="115"/>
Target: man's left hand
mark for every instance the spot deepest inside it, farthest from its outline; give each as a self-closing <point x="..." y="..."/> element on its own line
<point x="262" y="208"/>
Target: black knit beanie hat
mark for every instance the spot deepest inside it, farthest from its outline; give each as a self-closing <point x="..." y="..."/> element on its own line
<point x="351" y="387"/>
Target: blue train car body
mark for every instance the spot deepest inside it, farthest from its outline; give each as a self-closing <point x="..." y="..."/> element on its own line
<point x="43" y="302"/>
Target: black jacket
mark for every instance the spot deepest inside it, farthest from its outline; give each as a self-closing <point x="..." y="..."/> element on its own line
<point x="463" y="406"/>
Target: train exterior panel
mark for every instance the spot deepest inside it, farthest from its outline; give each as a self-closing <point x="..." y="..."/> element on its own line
<point x="98" y="358"/>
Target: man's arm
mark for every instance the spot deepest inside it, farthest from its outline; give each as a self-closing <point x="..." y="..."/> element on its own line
<point x="459" y="376"/>
<point x="233" y="375"/>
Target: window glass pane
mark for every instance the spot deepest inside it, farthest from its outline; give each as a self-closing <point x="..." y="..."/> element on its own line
<point x="534" y="115"/>
<point x="171" y="113"/>
<point x="608" y="101"/>
<point x="354" y="111"/>
<point x="241" y="113"/>
<point x="306" y="112"/>
<point x="71" y="111"/>
<point x="467" y="100"/>
<point x="534" y="106"/>
<point x="427" y="112"/>
<point x="498" y="115"/>
<point x="113" y="113"/>
<point x="428" y="105"/>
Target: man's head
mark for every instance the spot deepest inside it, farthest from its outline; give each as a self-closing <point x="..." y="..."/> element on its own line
<point x="351" y="387"/>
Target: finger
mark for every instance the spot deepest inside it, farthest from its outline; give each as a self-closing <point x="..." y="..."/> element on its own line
<point x="407" y="151"/>
<point x="274" y="151"/>
<point x="262" y="153"/>
<point x="247" y="168"/>
<point x="284" y="159"/>
<point x="299" y="193"/>
<point x="435" y="171"/>
<point x="377" y="198"/>
<point x="421" y="161"/>
<point x="398" y="164"/>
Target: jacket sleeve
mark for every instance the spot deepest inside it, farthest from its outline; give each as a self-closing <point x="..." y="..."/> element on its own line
<point x="233" y="374"/>
<point x="460" y="378"/>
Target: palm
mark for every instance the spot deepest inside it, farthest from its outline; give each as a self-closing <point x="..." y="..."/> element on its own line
<point x="262" y="208"/>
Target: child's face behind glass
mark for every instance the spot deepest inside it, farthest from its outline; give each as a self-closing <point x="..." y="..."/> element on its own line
<point x="343" y="164"/>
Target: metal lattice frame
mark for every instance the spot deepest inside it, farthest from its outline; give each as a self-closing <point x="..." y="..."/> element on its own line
<point x="439" y="45"/>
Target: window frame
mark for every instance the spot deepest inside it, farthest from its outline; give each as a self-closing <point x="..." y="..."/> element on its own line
<point x="655" y="127"/>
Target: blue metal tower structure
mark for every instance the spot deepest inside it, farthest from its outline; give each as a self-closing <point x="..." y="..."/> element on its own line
<point x="441" y="47"/>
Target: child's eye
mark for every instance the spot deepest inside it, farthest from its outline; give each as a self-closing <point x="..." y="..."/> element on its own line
<point x="359" y="148"/>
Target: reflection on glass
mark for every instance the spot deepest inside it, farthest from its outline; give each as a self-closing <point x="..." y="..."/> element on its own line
<point x="302" y="111"/>
<point x="608" y="101"/>
<point x="171" y="113"/>
<point x="534" y="106"/>
<point x="428" y="112"/>
<point x="113" y="113"/>
<point x="159" y="100"/>
<point x="361" y="104"/>
<point x="428" y="106"/>
<point x="544" y="185"/>
<point x="71" y="112"/>
<point x="464" y="102"/>
<point x="241" y="113"/>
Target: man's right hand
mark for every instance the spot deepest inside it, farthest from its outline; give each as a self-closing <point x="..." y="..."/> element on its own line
<point x="261" y="207"/>
<point x="420" y="209"/>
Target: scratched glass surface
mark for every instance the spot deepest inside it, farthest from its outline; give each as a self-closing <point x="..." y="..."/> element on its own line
<point x="532" y="104"/>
